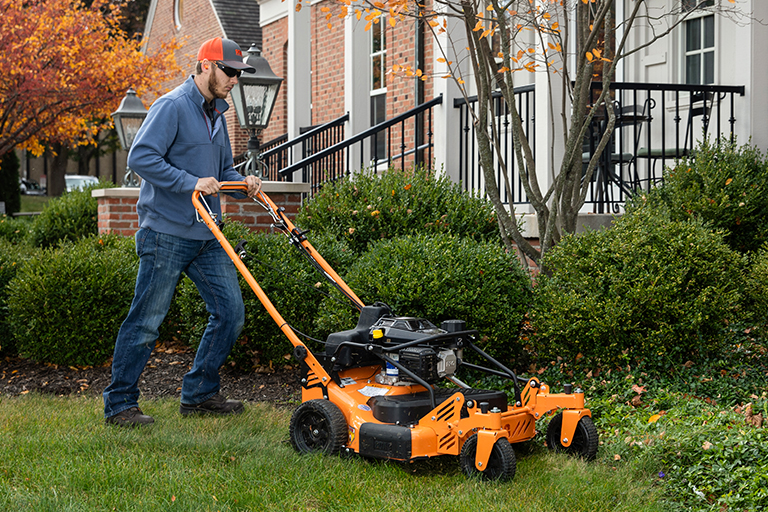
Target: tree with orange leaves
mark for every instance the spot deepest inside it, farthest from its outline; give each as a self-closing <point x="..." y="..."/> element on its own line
<point x="64" y="67"/>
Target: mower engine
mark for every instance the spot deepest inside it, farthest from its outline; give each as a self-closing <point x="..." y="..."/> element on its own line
<point x="430" y="361"/>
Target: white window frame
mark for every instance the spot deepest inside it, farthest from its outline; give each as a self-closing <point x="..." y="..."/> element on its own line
<point x="381" y="53"/>
<point x="380" y="91"/>
<point x="700" y="14"/>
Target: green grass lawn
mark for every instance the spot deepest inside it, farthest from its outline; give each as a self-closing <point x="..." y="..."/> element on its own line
<point x="33" y="203"/>
<point x="57" y="455"/>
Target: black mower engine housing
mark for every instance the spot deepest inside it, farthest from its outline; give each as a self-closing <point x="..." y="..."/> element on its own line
<point x="431" y="360"/>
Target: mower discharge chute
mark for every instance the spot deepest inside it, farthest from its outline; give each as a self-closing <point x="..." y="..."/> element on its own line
<point x="374" y="391"/>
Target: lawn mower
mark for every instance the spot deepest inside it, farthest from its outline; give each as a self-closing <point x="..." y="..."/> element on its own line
<point x="374" y="391"/>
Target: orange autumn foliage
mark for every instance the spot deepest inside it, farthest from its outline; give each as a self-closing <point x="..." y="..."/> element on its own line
<point x="64" y="68"/>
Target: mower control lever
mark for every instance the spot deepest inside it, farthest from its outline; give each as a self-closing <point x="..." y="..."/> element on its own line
<point x="299" y="233"/>
<point x="240" y="249"/>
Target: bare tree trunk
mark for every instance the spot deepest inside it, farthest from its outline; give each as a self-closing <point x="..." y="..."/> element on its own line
<point x="58" y="169"/>
<point x="594" y="22"/>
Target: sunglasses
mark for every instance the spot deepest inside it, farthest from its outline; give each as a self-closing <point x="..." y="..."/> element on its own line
<point x="230" y="72"/>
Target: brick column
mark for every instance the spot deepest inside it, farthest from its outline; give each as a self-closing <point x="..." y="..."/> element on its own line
<point x="117" y="207"/>
<point x="283" y="193"/>
<point x="117" y="210"/>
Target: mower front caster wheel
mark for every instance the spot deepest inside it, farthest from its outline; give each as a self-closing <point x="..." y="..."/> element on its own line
<point x="501" y="464"/>
<point x="585" y="439"/>
<point x="318" y="426"/>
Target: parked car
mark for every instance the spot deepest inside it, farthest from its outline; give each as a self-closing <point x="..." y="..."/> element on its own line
<point x="79" y="181"/>
<point x="30" y="187"/>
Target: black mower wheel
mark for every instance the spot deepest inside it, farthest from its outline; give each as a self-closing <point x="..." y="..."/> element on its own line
<point x="501" y="464"/>
<point x="585" y="439"/>
<point x="318" y="426"/>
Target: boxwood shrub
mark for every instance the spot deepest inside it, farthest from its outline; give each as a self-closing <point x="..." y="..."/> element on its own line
<point x="66" y="304"/>
<point x="291" y="284"/>
<point x="441" y="277"/>
<point x="755" y="289"/>
<point x="726" y="186"/>
<point x="72" y="216"/>
<point x="12" y="258"/>
<point x="649" y="289"/>
<point x="14" y="230"/>
<point x="368" y="207"/>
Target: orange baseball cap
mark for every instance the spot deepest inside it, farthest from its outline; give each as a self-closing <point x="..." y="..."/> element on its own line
<point x="225" y="51"/>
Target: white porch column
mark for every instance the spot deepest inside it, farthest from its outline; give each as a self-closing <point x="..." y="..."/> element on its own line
<point x="299" y="71"/>
<point x="357" y="96"/>
<point x="299" y="79"/>
<point x="445" y="122"/>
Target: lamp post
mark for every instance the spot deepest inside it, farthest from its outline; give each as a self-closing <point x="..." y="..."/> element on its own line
<point x="254" y="97"/>
<point x="128" y="118"/>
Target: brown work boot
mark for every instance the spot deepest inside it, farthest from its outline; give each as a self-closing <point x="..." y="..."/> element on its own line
<point x="132" y="417"/>
<point x="217" y="404"/>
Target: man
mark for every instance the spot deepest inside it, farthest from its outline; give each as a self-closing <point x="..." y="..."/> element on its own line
<point x="182" y="146"/>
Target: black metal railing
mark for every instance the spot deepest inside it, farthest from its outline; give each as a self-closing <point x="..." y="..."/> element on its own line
<point x="470" y="173"/>
<point x="656" y="124"/>
<point x="279" y="152"/>
<point x="403" y="147"/>
<point x="240" y="159"/>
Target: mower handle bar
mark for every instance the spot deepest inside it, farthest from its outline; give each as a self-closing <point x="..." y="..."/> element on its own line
<point x="286" y="226"/>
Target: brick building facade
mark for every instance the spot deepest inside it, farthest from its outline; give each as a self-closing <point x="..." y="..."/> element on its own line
<point x="332" y="70"/>
<point x="193" y="22"/>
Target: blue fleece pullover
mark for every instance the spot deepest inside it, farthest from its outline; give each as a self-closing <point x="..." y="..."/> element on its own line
<point x="174" y="147"/>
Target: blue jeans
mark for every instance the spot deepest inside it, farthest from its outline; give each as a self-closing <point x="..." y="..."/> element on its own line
<point x="162" y="260"/>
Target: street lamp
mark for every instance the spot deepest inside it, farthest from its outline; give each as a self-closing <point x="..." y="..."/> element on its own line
<point x="254" y="97"/>
<point x="128" y="118"/>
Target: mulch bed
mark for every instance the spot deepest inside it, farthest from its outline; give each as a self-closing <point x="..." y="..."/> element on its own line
<point x="161" y="378"/>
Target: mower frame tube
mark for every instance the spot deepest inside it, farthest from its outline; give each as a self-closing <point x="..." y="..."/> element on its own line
<point x="310" y="360"/>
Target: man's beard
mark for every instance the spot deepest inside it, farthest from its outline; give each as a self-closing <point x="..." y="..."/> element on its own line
<point x="215" y="88"/>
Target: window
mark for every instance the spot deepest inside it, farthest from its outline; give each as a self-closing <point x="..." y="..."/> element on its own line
<point x="378" y="88"/>
<point x="690" y="5"/>
<point x="700" y="50"/>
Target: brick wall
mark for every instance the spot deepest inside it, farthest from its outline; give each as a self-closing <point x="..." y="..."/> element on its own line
<point x="198" y="24"/>
<point x="328" y="72"/>
<point x="402" y="86"/>
<point x="256" y="217"/>
<point x="275" y="42"/>
<point x="117" y="207"/>
<point x="117" y="212"/>
<point x="327" y="63"/>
